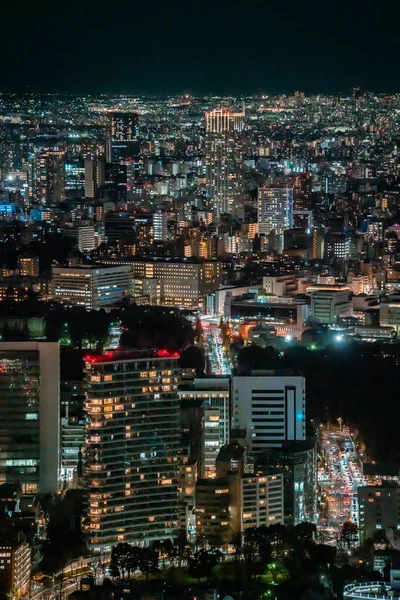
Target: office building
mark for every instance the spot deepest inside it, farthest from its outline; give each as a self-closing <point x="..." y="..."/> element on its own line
<point x="287" y="315"/>
<point x="72" y="442"/>
<point x="83" y="237"/>
<point x="212" y="510"/>
<point x="275" y="213"/>
<point x="337" y="247"/>
<point x="329" y="304"/>
<point x="95" y="177"/>
<point x="147" y="291"/>
<point x="297" y="462"/>
<point x="74" y="179"/>
<point x="49" y="177"/>
<point x="28" y="266"/>
<point x="119" y="227"/>
<point x="183" y="282"/>
<point x="238" y="498"/>
<point x="389" y="312"/>
<point x="160" y="226"/>
<point x="115" y="185"/>
<point x="379" y="509"/>
<point x="270" y="408"/>
<point x="30" y="415"/>
<point x="224" y="161"/>
<point x="15" y="565"/>
<point x="132" y="447"/>
<point x="317" y="249"/>
<point x="122" y="135"/>
<point x="256" y="498"/>
<point x="91" y="286"/>
<point x="212" y="394"/>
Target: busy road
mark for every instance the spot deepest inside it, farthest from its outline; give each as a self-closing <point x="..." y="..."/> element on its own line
<point x="213" y="347"/>
<point x="340" y="474"/>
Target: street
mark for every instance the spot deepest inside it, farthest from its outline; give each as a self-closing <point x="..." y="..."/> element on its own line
<point x="339" y="476"/>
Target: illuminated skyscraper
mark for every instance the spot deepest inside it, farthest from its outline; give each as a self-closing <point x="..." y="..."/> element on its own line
<point x="275" y="212"/>
<point x="122" y="135"/>
<point x="29" y="415"/>
<point x="224" y="160"/>
<point x="94" y="177"/>
<point x="132" y="446"/>
<point x="160" y="226"/>
<point x="49" y="177"/>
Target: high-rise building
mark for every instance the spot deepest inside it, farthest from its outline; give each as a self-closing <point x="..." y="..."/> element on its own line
<point x="297" y="461"/>
<point x="91" y="286"/>
<point x="30" y="415"/>
<point x="122" y="135"/>
<point x="49" y="177"/>
<point x="224" y="160"/>
<point x="95" y="177"/>
<point x="28" y="266"/>
<point x="15" y="565"/>
<point x="115" y="182"/>
<point x="302" y="183"/>
<point x="74" y="178"/>
<point x="238" y="498"/>
<point x="214" y="395"/>
<point x="84" y="237"/>
<point x="133" y="441"/>
<point x="270" y="408"/>
<point x="72" y="442"/>
<point x="275" y="213"/>
<point x="160" y="226"/>
<point x="378" y="508"/>
<point x="317" y="243"/>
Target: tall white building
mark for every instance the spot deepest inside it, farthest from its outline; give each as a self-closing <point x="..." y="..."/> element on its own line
<point x="270" y="408"/>
<point x="91" y="286"/>
<point x="30" y="415"/>
<point x="224" y="160"/>
<point x="275" y="212"/>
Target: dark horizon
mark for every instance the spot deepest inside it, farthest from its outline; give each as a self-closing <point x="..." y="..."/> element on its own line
<point x="173" y="48"/>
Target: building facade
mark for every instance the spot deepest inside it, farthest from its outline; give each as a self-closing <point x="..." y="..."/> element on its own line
<point x="224" y="160"/>
<point x="270" y="408"/>
<point x="91" y="286"/>
<point x="30" y="415"/>
<point x="132" y="447"/>
<point x="275" y="213"/>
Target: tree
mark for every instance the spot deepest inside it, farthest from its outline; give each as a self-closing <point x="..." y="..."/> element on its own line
<point x="148" y="561"/>
<point x="322" y="554"/>
<point x="181" y="547"/>
<point x="253" y="358"/>
<point x="203" y="562"/>
<point x="305" y="532"/>
<point x="349" y="533"/>
<point x="193" y="357"/>
<point x="120" y="559"/>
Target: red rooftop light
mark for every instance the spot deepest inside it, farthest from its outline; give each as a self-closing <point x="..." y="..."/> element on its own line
<point x="165" y="353"/>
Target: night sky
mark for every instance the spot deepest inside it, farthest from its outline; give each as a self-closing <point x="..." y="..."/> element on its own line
<point x="199" y="47"/>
